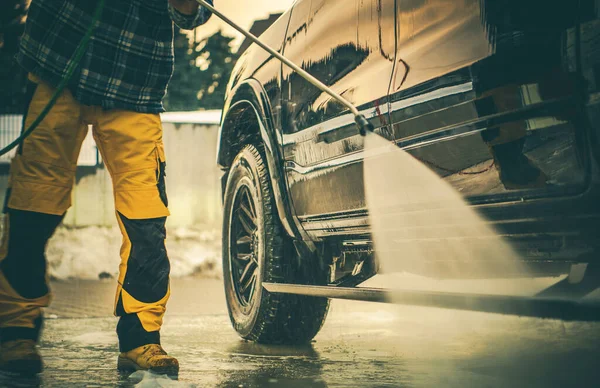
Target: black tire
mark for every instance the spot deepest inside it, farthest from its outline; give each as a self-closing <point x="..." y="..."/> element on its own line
<point x="262" y="249"/>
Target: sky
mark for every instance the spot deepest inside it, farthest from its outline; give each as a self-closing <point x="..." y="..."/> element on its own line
<point x="243" y="13"/>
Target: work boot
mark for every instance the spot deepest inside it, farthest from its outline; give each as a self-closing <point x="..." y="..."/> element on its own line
<point x="150" y="357"/>
<point x="20" y="356"/>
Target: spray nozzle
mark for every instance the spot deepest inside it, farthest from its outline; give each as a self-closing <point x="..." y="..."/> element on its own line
<point x="363" y="125"/>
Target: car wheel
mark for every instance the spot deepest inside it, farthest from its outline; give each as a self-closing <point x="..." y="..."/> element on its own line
<point x="256" y="250"/>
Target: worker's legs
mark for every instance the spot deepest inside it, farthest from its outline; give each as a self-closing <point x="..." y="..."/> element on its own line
<point x="40" y="184"/>
<point x="132" y="148"/>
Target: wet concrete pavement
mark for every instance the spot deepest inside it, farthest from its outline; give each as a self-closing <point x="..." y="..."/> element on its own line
<point x="361" y="345"/>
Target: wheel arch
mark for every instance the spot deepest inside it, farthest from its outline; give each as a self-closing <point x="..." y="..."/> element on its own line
<point x="248" y="119"/>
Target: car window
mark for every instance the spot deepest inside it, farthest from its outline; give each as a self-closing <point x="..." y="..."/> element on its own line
<point x="322" y="37"/>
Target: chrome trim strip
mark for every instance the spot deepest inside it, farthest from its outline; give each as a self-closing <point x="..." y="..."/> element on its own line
<point x="430" y="96"/>
<point x="345" y="121"/>
<point x="344" y="160"/>
<point x="437" y="135"/>
<point x="482" y="123"/>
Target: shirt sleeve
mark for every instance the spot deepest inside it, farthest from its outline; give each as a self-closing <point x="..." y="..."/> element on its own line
<point x="189" y="22"/>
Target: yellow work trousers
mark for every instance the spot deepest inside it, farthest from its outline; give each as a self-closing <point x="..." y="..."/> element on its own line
<point x="41" y="179"/>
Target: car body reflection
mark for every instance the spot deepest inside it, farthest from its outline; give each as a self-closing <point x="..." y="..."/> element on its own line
<point x="498" y="98"/>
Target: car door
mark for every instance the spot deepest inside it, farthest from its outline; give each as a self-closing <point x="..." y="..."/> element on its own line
<point x="350" y="46"/>
<point x="483" y="97"/>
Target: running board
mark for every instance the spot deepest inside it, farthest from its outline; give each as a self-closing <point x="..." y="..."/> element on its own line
<point x="563" y="309"/>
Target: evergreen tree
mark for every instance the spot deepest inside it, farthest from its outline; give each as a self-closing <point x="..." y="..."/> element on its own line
<point x="182" y="93"/>
<point x="217" y="61"/>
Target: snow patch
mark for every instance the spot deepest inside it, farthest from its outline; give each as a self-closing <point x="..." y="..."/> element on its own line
<point x="85" y="253"/>
<point x="207" y="117"/>
<point x="194" y="251"/>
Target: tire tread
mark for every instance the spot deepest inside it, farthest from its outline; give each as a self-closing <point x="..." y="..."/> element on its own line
<point x="282" y="318"/>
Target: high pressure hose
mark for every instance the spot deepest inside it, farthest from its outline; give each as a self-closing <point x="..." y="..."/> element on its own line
<point x="73" y="63"/>
<point x="363" y="124"/>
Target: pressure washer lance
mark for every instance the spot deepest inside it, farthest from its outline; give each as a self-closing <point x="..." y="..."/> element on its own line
<point x="361" y="121"/>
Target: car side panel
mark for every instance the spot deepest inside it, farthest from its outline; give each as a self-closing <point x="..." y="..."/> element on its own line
<point x="470" y="60"/>
<point x="516" y="87"/>
<point x="350" y="46"/>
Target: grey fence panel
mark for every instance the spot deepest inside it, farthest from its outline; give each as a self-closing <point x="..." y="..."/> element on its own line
<point x="10" y="129"/>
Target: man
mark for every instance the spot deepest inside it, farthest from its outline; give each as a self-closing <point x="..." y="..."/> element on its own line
<point x="117" y="88"/>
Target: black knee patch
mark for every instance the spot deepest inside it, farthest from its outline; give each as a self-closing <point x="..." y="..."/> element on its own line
<point x="148" y="267"/>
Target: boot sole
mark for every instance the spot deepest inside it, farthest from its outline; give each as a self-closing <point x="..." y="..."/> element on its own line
<point x="126" y="365"/>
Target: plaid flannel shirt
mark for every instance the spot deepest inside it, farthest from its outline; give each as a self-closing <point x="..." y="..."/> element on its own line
<point x="129" y="61"/>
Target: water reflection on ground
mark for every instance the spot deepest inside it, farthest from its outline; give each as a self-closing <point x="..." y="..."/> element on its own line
<point x="263" y="366"/>
<point x="361" y="345"/>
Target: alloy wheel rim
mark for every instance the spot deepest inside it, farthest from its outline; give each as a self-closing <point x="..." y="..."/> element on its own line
<point x="244" y="246"/>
